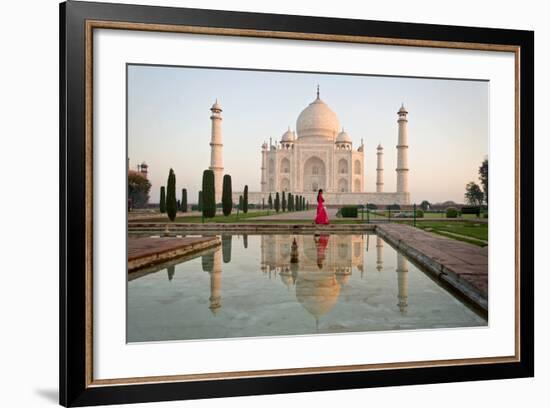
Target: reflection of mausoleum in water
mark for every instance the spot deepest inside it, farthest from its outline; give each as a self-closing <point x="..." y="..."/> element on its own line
<point x="317" y="267"/>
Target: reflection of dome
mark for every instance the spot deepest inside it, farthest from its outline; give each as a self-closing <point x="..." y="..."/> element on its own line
<point x="317" y="120"/>
<point x="286" y="277"/>
<point x="343" y="137"/>
<point x="342" y="278"/>
<point x="317" y="296"/>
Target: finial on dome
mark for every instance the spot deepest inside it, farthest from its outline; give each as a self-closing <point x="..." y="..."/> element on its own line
<point x="318" y="92"/>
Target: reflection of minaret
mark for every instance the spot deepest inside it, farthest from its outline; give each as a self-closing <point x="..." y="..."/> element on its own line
<point x="216" y="282"/>
<point x="216" y="157"/>
<point x="402" y="282"/>
<point x="171" y="271"/>
<point x="379" y="253"/>
<point x="226" y="248"/>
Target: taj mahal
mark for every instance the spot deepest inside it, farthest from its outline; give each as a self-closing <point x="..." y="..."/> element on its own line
<point x="319" y="154"/>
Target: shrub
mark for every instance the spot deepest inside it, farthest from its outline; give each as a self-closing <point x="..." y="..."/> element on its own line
<point x="208" y="194"/>
<point x="394" y="207"/>
<point x="419" y="213"/>
<point x="372" y="206"/>
<point x="227" y="200"/>
<point x="451" y="212"/>
<point x="349" y="212"/>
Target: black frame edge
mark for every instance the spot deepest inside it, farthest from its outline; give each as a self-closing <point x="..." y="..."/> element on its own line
<point x="72" y="387"/>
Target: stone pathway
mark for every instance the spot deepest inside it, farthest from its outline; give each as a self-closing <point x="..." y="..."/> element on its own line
<point x="463" y="266"/>
<point x="149" y="251"/>
<point x="296" y="215"/>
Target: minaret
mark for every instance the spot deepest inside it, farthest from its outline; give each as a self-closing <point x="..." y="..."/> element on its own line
<point x="216" y="157"/>
<point x="264" y="168"/>
<point x="402" y="282"/>
<point x="379" y="169"/>
<point x="402" y="153"/>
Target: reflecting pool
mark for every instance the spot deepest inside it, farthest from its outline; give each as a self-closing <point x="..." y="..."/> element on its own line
<point x="270" y="285"/>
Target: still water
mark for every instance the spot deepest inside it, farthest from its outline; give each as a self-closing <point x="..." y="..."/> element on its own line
<point x="269" y="285"/>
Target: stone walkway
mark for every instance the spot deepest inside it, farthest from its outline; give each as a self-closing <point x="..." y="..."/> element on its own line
<point x="149" y="251"/>
<point x="296" y="215"/>
<point x="461" y="265"/>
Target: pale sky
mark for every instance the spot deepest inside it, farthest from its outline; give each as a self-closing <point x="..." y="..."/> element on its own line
<point x="169" y="124"/>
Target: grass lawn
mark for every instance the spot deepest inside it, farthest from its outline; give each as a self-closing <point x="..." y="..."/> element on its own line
<point x="461" y="231"/>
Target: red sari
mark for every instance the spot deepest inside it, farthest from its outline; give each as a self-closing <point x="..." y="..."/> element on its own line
<point x="322" y="217"/>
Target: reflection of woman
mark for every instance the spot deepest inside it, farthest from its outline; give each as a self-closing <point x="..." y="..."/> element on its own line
<point x="322" y="217"/>
<point x="321" y="242"/>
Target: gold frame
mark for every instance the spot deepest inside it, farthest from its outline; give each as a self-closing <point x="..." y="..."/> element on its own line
<point x="99" y="24"/>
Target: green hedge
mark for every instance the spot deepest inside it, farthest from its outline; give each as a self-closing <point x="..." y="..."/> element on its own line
<point x="419" y="213"/>
<point x="451" y="212"/>
<point x="349" y="212"/>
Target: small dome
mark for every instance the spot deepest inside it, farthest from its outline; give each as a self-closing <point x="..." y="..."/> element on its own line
<point x="379" y="147"/>
<point x="343" y="137"/>
<point x="288" y="136"/>
<point x="144" y="165"/>
<point x="402" y="109"/>
<point x="216" y="106"/>
<point x="317" y="120"/>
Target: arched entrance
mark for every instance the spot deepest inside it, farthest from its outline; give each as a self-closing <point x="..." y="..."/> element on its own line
<point x="314" y="174"/>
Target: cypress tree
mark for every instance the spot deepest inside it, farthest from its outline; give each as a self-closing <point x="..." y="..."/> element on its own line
<point x="277" y="202"/>
<point x="241" y="202"/>
<point x="162" y="200"/>
<point x="283" y="202"/>
<point x="270" y="202"/>
<point x="171" y="203"/>
<point x="245" y="200"/>
<point x="263" y="203"/>
<point x="227" y="200"/>
<point x="183" y="200"/>
<point x="199" y="204"/>
<point x="290" y="202"/>
<point x="208" y="194"/>
<point x="296" y="206"/>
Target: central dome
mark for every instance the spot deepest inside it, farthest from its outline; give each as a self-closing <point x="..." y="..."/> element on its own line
<point x="318" y="120"/>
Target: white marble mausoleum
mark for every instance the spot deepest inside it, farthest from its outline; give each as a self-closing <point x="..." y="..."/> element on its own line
<point x="319" y="154"/>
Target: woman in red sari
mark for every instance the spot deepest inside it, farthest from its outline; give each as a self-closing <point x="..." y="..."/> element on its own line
<point x="322" y="217"/>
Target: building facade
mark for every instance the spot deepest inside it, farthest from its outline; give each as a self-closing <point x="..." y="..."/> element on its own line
<point x="319" y="155"/>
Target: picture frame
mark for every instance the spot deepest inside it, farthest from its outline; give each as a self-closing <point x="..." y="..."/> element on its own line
<point x="78" y="20"/>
